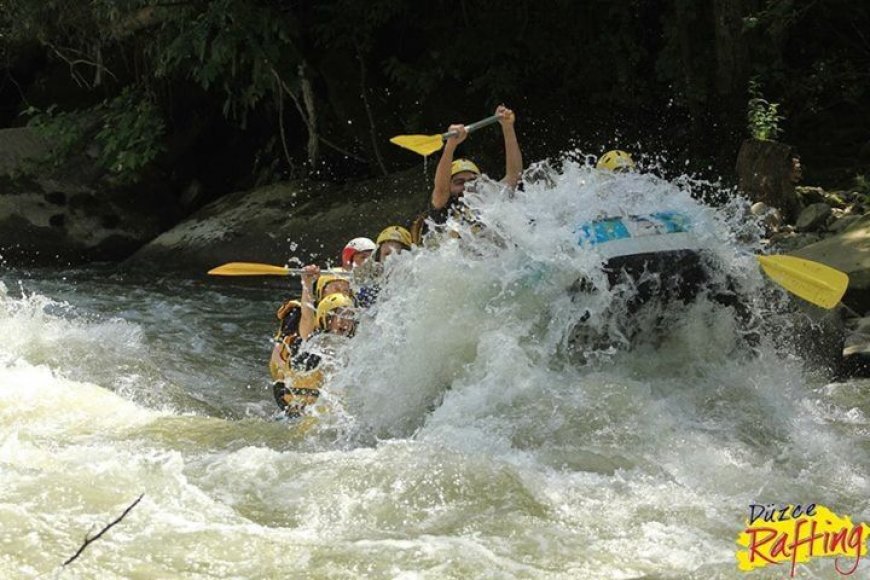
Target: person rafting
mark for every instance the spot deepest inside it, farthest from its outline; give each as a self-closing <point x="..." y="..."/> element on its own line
<point x="392" y="240"/>
<point x="356" y="252"/>
<point x="296" y="321"/>
<point x="617" y="161"/>
<point x="323" y="296"/>
<point x="452" y="176"/>
<point x="304" y="374"/>
<point x="317" y="285"/>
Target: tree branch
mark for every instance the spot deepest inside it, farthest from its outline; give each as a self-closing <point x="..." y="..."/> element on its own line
<point x="305" y="120"/>
<point x="73" y="62"/>
<point x="88" y="540"/>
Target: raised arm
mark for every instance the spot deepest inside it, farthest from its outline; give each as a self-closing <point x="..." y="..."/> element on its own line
<point x="307" y="320"/>
<point x="513" y="158"/>
<point x="441" y="190"/>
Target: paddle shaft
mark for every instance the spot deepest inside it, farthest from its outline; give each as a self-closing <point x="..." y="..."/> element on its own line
<point x="257" y="269"/>
<point x="473" y="127"/>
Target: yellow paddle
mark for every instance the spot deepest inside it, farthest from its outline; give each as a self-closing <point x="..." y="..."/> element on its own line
<point x="814" y="282"/>
<point x="255" y="269"/>
<point x="426" y="145"/>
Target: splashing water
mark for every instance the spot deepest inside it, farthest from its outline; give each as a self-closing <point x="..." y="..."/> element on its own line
<point x="465" y="436"/>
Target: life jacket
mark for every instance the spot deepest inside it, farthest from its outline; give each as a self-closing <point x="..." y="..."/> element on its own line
<point x="419" y="228"/>
<point x="289" y="315"/>
<point x="300" y="380"/>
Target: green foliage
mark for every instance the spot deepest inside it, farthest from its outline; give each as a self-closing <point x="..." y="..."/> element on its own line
<point x="131" y="133"/>
<point x="763" y="116"/>
<point x="667" y="70"/>
<point x="127" y="130"/>
<point x="63" y="130"/>
<point x="236" y="47"/>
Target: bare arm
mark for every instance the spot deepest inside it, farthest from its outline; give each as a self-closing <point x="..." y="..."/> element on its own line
<point x="307" y="321"/>
<point x="441" y="190"/>
<point x="513" y="158"/>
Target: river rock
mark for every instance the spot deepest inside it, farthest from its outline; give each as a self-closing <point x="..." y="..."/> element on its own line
<point x="813" y="217"/>
<point x="307" y="220"/>
<point x="849" y="252"/>
<point x="769" y="216"/>
<point x="809" y="194"/>
<point x="844" y="223"/>
<point x="789" y="241"/>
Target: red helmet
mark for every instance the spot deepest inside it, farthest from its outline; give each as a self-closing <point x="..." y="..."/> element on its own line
<point x="354" y="246"/>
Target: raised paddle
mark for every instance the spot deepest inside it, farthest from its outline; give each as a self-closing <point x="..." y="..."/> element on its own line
<point x="814" y="282"/>
<point x="426" y="145"/>
<point x="255" y="269"/>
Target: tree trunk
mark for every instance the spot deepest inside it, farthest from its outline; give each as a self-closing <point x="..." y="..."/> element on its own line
<point x="373" y="133"/>
<point x="311" y="116"/>
<point x="731" y="51"/>
<point x="765" y="170"/>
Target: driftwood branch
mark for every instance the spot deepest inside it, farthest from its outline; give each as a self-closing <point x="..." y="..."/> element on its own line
<point x="89" y="539"/>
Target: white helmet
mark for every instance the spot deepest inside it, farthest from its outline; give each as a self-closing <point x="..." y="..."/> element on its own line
<point x="354" y="246"/>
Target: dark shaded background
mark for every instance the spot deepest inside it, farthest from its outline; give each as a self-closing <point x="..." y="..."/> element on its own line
<point x="229" y="84"/>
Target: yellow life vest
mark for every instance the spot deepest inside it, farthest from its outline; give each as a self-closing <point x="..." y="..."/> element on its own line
<point x="298" y="391"/>
<point x="300" y="380"/>
<point x="289" y="315"/>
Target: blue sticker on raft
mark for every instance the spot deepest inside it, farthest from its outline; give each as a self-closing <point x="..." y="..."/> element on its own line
<point x="610" y="229"/>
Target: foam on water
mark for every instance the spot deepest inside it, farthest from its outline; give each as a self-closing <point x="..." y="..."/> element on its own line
<point x="466" y="438"/>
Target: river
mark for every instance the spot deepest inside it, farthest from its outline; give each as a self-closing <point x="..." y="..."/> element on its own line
<point x="463" y="437"/>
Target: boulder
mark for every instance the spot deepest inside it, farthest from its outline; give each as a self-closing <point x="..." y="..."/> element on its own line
<point x="45" y="221"/>
<point x="813" y="217"/>
<point x="66" y="216"/>
<point x="19" y="146"/>
<point x="849" y="252"/>
<point x="810" y="194"/>
<point x="310" y="221"/>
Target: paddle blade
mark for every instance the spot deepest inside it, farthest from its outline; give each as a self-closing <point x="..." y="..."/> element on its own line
<point x="422" y="144"/>
<point x="249" y="269"/>
<point x="814" y="282"/>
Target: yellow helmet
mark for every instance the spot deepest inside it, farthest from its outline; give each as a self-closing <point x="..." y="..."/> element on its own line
<point x="460" y="165"/>
<point x="616" y="160"/>
<point x="329" y="304"/>
<point x="395" y="234"/>
<point x="321" y="283"/>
